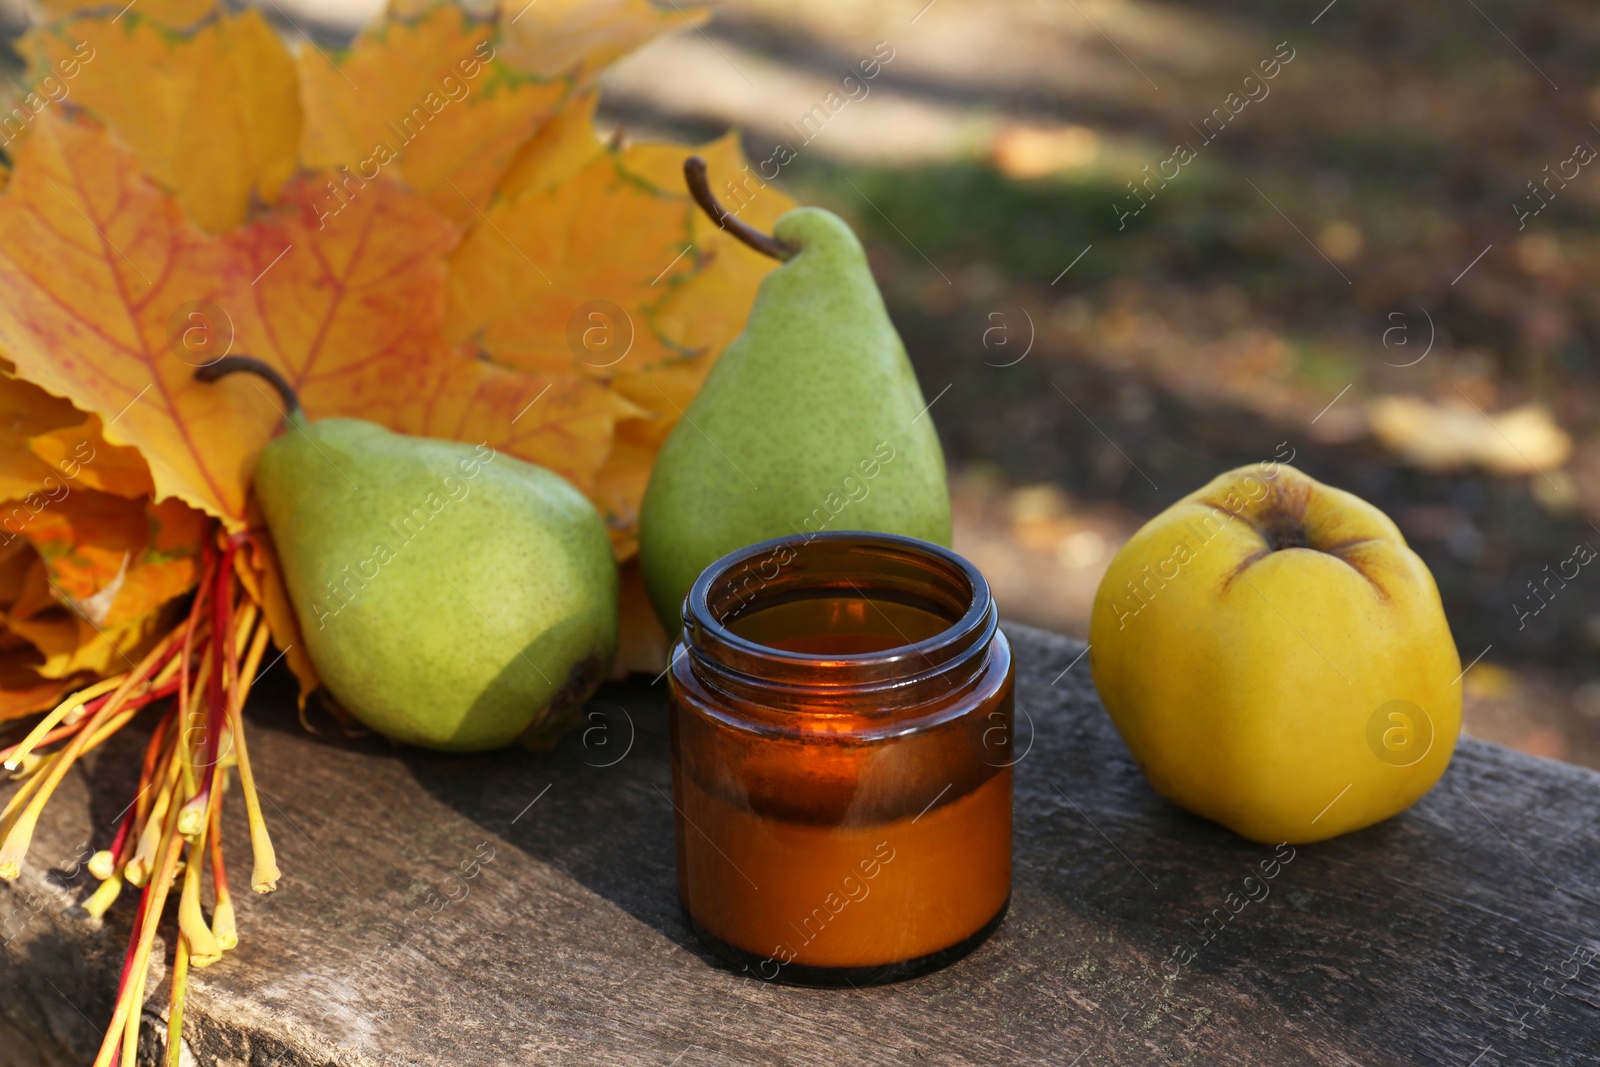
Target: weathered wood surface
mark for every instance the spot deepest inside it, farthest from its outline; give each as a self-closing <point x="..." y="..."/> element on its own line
<point x="1464" y="932"/>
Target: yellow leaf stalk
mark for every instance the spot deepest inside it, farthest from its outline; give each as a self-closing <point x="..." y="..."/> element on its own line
<point x="222" y="919"/>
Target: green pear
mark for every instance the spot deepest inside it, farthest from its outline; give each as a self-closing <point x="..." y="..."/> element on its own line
<point x="811" y="420"/>
<point x="449" y="596"/>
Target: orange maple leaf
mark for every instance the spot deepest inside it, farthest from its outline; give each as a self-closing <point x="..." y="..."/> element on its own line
<point x="26" y="412"/>
<point x="614" y="245"/>
<point x="22" y="689"/>
<point x="115" y="560"/>
<point x="102" y="272"/>
<point x="426" y="103"/>
<point x="68" y="640"/>
<point x="213" y="113"/>
<point x="341" y="303"/>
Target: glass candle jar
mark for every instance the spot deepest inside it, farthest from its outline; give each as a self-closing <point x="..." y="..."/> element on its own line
<point x="841" y="758"/>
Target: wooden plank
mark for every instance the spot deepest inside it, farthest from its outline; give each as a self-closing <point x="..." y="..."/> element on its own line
<point x="1466" y="931"/>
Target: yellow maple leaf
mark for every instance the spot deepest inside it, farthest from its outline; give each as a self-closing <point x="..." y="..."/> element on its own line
<point x="342" y="302"/>
<point x="564" y="424"/>
<point x="613" y="244"/>
<point x="426" y="103"/>
<point x="87" y="542"/>
<point x="47" y="447"/>
<point x="22" y="689"/>
<point x="27" y="411"/>
<point x="80" y="454"/>
<point x="95" y="545"/>
<point x="350" y="306"/>
<point x="212" y="114"/>
<point x="578" y="37"/>
<point x="562" y="147"/>
<point x="71" y="643"/>
<point x="102" y="271"/>
<point x="116" y="560"/>
<point x="574" y="276"/>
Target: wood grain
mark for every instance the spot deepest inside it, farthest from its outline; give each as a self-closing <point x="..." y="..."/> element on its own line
<point x="520" y="908"/>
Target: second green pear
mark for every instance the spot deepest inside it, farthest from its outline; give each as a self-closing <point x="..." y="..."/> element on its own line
<point x="811" y="420"/>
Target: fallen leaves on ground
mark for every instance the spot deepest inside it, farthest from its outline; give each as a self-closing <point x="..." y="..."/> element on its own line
<point x="1520" y="440"/>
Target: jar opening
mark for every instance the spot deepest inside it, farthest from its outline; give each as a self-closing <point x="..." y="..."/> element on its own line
<point x="825" y="623"/>
<point x="842" y="608"/>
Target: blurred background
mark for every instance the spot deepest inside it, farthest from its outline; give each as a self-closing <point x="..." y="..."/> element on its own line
<point x="1379" y="262"/>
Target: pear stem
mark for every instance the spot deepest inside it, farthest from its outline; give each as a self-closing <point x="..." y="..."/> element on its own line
<point x="229" y="364"/>
<point x="695" y="176"/>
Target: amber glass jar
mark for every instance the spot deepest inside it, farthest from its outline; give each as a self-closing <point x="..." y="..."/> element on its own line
<point x="841" y="758"/>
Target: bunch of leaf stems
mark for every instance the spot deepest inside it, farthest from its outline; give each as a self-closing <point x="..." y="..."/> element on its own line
<point x="170" y="833"/>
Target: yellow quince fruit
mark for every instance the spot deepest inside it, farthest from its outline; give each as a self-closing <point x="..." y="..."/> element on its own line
<point x="1277" y="659"/>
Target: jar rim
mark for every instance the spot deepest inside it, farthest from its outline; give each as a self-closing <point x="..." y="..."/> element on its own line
<point x="710" y="637"/>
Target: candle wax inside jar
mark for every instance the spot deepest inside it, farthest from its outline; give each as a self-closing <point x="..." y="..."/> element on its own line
<point x="839" y="625"/>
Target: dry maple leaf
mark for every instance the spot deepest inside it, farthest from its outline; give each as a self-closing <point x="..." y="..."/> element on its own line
<point x="23" y="690"/>
<point x="48" y="448"/>
<point x="80" y="453"/>
<point x="212" y="113"/>
<point x="69" y="641"/>
<point x="578" y="37"/>
<point x="100" y="269"/>
<point x="27" y="412"/>
<point x="100" y="558"/>
<point x="614" y="248"/>
<point x="646" y="290"/>
<point x="343" y="305"/>
<point x="116" y="560"/>
<point x="425" y="103"/>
